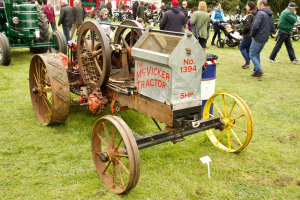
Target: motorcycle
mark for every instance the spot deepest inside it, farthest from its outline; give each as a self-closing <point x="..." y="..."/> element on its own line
<point x="274" y="33"/>
<point x="116" y="15"/>
<point x="296" y="32"/>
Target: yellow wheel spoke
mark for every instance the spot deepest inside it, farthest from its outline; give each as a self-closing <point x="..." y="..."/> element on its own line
<point x="228" y="140"/>
<point x="35" y="79"/>
<point x="211" y="115"/>
<point x="50" y="98"/>
<point x="239" y="117"/>
<point x="232" y="108"/>
<point x="234" y="134"/>
<point x="45" y="99"/>
<point x="218" y="109"/>
<point x="224" y="105"/>
<point x="220" y="136"/>
<point x="239" y="128"/>
<point x="37" y="71"/>
<point x="47" y="89"/>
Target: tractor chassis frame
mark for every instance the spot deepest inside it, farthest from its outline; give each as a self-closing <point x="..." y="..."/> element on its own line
<point x="177" y="134"/>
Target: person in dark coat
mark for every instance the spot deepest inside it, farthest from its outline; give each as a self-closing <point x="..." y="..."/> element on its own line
<point x="246" y="42"/>
<point x="49" y="11"/>
<point x="184" y="10"/>
<point x="168" y="7"/>
<point x="287" y="19"/>
<point x="238" y="10"/>
<point x="78" y="15"/>
<point x="163" y="7"/>
<point x="261" y="27"/>
<point x="173" y="19"/>
<point x="141" y="11"/>
<point x="109" y="8"/>
<point x="83" y="10"/>
<point x="134" y="9"/>
<point x="66" y="18"/>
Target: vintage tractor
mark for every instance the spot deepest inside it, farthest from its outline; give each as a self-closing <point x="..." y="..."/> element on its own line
<point x="157" y="73"/>
<point x="24" y="25"/>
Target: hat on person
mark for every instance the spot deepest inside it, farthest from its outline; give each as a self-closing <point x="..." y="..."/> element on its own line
<point x="292" y="5"/>
<point x="175" y="3"/>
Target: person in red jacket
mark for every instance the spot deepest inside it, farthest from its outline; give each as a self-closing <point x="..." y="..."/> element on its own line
<point x="153" y="8"/>
<point x="49" y="11"/>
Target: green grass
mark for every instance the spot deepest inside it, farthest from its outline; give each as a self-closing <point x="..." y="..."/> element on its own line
<point x="39" y="162"/>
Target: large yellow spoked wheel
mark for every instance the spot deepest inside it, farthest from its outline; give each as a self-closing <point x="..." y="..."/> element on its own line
<point x="237" y="121"/>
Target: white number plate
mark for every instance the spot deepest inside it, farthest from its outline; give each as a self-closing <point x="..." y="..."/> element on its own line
<point x="37" y="33"/>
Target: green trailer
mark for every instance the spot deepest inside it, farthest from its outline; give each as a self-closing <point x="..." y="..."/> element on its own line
<point x="24" y="25"/>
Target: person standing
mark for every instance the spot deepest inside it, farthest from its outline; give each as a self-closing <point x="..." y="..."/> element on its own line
<point x="66" y="18"/>
<point x="109" y="8"/>
<point x="209" y="11"/>
<point x="238" y="10"/>
<point x="261" y="27"/>
<point x="185" y="11"/>
<point x="216" y="17"/>
<point x="134" y="9"/>
<point x="78" y="16"/>
<point x="102" y="5"/>
<point x="287" y="20"/>
<point x="173" y="19"/>
<point x="121" y="5"/>
<point x="162" y="7"/>
<point x="141" y="11"/>
<point x="168" y="7"/>
<point x="83" y="11"/>
<point x="201" y="19"/>
<point x="49" y="11"/>
<point x="246" y="42"/>
<point x="120" y="9"/>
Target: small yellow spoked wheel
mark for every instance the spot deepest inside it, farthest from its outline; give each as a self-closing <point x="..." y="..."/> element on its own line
<point x="115" y="153"/>
<point x="237" y="121"/>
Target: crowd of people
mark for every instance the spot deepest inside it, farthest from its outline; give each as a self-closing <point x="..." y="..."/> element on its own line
<point x="255" y="29"/>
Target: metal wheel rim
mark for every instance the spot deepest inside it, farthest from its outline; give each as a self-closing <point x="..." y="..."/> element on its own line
<point x="121" y="30"/>
<point x="231" y="130"/>
<point x="98" y="136"/>
<point x="49" y="89"/>
<point x="101" y="61"/>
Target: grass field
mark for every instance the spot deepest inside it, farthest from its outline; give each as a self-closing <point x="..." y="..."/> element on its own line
<point x="39" y="162"/>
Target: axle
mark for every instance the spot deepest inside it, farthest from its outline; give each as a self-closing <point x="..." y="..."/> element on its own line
<point x="176" y="135"/>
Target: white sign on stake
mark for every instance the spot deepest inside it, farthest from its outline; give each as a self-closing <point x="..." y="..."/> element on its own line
<point x="206" y="160"/>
